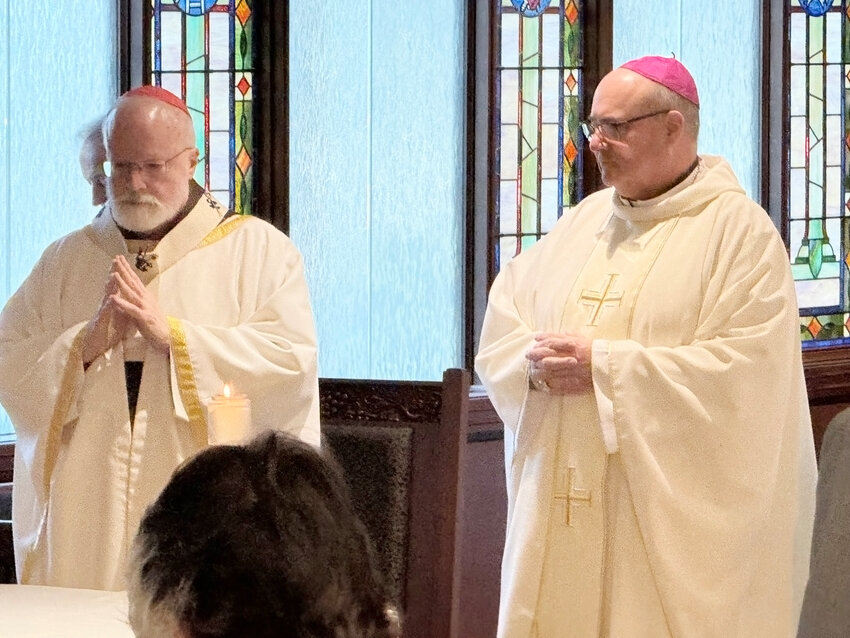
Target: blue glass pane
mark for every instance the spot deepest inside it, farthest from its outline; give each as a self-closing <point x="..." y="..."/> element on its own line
<point x="195" y="7"/>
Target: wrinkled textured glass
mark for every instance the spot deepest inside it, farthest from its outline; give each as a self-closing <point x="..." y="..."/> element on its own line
<point x="61" y="76"/>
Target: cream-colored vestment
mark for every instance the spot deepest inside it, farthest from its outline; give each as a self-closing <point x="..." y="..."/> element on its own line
<point x="234" y="292"/>
<point x="676" y="499"/>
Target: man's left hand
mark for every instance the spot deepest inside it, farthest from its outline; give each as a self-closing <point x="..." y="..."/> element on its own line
<point x="137" y="303"/>
<point x="562" y="361"/>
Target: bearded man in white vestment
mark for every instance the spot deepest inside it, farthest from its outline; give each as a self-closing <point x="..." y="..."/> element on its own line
<point x="645" y="359"/>
<point x="122" y="333"/>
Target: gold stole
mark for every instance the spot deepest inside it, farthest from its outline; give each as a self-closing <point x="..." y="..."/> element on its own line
<point x="599" y="304"/>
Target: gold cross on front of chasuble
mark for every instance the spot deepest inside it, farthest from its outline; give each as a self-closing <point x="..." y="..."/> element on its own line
<point x="572" y="495"/>
<point x="596" y="300"/>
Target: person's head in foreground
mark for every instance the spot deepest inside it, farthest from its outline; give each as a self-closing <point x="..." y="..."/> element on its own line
<point x="643" y="126"/>
<point x="255" y="540"/>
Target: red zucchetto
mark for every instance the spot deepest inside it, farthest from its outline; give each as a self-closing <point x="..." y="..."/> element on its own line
<point x="668" y="72"/>
<point x="158" y="93"/>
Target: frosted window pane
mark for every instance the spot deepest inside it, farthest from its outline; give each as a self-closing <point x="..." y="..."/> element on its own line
<point x="219" y="162"/>
<point x="797" y="206"/>
<point x="509" y="103"/>
<point x="507" y="207"/>
<point x="834" y="141"/>
<point x="219" y="42"/>
<point x="834" y="207"/>
<point x="549" y="157"/>
<point x="551" y="41"/>
<point x="376" y="183"/>
<point x="551" y="95"/>
<point x="833" y="37"/>
<point x="510" y="41"/>
<point x="834" y="89"/>
<point x="219" y="109"/>
<point x="509" y="152"/>
<point x="798" y="38"/>
<point x="798" y="90"/>
<point x="49" y="100"/>
<point x="172" y="47"/>
<point x="548" y="204"/>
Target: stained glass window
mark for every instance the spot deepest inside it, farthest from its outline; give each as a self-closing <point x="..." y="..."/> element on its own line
<point x="538" y="82"/>
<point x="818" y="222"/>
<point x="201" y="50"/>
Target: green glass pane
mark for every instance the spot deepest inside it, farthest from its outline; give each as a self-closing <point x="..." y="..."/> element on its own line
<point x="572" y="36"/>
<point x="530" y="43"/>
<point x="530" y="90"/>
<point x="196" y="60"/>
<point x="529" y="241"/>
<point x="530" y="194"/>
<point x="244" y="36"/>
<point x="815" y="52"/>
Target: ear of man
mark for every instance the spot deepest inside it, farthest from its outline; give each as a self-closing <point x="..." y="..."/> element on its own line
<point x="675" y="124"/>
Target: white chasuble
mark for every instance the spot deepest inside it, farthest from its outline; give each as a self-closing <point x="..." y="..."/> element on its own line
<point x="676" y="498"/>
<point x="234" y="294"/>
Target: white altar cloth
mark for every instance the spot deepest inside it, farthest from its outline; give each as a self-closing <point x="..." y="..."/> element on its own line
<point x="30" y="611"/>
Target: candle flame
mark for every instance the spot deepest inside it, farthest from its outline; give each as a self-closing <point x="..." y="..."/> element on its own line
<point x="226" y="390"/>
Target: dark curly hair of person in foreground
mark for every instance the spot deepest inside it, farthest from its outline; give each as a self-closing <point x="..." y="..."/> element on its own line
<point x="256" y="540"/>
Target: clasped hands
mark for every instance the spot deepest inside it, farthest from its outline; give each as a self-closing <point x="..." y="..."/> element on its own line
<point x="127" y="305"/>
<point x="560" y="363"/>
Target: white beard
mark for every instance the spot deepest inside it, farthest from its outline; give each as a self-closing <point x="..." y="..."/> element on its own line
<point x="140" y="213"/>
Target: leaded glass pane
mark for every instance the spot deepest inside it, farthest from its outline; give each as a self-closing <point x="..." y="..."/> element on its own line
<point x="201" y="50"/>
<point x="818" y="221"/>
<point x="536" y="153"/>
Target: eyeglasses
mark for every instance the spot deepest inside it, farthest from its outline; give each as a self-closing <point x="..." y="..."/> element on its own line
<point x="613" y="129"/>
<point x="150" y="168"/>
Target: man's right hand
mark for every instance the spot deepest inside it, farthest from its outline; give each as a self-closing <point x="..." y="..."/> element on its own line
<point x="106" y="328"/>
<point x="561" y="362"/>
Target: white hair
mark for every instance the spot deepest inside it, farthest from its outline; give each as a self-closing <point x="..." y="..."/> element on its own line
<point x="150" y="618"/>
<point x="660" y="97"/>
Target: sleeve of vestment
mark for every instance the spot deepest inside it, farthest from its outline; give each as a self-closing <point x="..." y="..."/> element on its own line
<point x="505" y="338"/>
<point x="270" y="353"/>
<point x="710" y="432"/>
<point x="41" y="369"/>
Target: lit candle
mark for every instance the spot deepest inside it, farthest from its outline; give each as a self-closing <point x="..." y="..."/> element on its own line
<point x="229" y="416"/>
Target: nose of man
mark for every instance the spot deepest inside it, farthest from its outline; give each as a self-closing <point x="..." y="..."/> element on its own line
<point x="595" y="143"/>
<point x="136" y="180"/>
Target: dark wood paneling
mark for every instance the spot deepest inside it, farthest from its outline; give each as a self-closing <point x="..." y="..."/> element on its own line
<point x="271" y="112"/>
<point x="827" y="375"/>
<point x="436" y="415"/>
<point x="597" y="33"/>
<point x="484" y="518"/>
<point x="7" y="461"/>
<point x="7" y="555"/>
